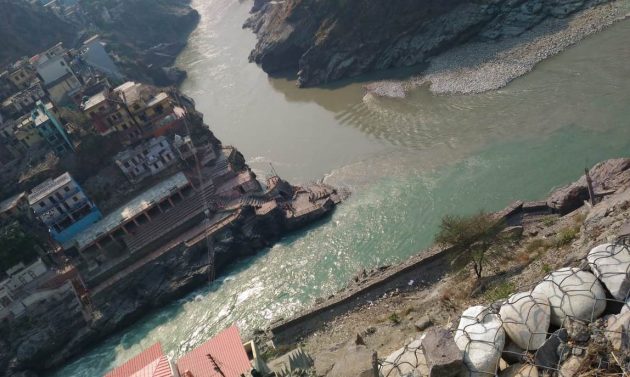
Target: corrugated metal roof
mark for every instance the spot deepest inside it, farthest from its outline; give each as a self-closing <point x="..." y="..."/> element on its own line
<point x="130" y="210"/>
<point x="226" y="349"/>
<point x="150" y="363"/>
<point x="158" y="368"/>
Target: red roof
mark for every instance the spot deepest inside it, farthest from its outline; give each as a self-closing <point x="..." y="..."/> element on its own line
<point x="227" y="351"/>
<point x="150" y="363"/>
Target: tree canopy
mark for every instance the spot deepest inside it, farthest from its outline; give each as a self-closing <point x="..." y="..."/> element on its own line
<point x="16" y="245"/>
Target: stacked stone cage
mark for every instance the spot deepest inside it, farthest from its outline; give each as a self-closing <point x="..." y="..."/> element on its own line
<point x="548" y="345"/>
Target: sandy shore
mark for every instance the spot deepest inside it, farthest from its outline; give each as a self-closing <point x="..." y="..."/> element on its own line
<point x="479" y="67"/>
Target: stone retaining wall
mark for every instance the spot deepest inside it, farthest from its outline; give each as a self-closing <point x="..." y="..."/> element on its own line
<point x="426" y="268"/>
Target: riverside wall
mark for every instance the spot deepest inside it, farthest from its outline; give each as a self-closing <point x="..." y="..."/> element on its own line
<point x="423" y="269"/>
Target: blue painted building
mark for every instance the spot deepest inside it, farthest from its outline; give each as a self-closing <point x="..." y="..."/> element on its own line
<point x="50" y="129"/>
<point x="62" y="205"/>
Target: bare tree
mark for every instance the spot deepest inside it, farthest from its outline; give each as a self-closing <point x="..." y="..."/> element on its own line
<point x="473" y="236"/>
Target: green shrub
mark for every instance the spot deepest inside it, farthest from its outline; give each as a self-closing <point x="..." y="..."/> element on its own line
<point x="566" y="235"/>
<point x="394" y="319"/>
<point x="500" y="292"/>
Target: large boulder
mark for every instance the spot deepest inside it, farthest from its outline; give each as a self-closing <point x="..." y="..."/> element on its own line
<point x="611" y="264"/>
<point x="408" y="360"/>
<point x="444" y="358"/>
<point x="606" y="175"/>
<point x="618" y="331"/>
<point x="572" y="293"/>
<point x="354" y="361"/>
<point x="526" y="317"/>
<point x="481" y="337"/>
<point x="512" y="353"/>
<point x="519" y="370"/>
<point x="549" y="354"/>
<point x="572" y="366"/>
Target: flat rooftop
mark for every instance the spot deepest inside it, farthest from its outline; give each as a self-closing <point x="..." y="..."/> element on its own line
<point x="130" y="210"/>
<point x="95" y="100"/>
<point x="157" y="99"/>
<point x="48" y="187"/>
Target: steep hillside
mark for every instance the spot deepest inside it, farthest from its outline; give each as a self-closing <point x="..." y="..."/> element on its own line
<point x="26" y="29"/>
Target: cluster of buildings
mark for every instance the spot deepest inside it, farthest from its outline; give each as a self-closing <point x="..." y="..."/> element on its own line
<point x="32" y="90"/>
<point x="133" y="111"/>
<point x="225" y="355"/>
<point x="141" y="119"/>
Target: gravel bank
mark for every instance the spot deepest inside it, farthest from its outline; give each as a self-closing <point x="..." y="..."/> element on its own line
<point x="482" y="66"/>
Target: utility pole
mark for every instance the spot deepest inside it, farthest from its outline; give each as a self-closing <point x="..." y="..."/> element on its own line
<point x="589" y="184"/>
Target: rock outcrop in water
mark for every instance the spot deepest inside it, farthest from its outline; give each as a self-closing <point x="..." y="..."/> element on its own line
<point x="327" y="40"/>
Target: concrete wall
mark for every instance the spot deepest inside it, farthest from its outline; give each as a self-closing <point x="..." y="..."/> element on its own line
<point x="429" y="266"/>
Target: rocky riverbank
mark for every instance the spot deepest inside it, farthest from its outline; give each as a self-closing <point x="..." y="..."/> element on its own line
<point x="481" y="66"/>
<point x="329" y="40"/>
<point x="562" y="232"/>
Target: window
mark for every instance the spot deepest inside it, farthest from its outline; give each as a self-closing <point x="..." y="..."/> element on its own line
<point x="75" y="198"/>
<point x="126" y="164"/>
<point x="42" y="204"/>
<point x="66" y="189"/>
<point x="162" y="144"/>
<point x="62" y="63"/>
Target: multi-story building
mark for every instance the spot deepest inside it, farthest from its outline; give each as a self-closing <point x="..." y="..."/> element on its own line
<point x="6" y="86"/>
<point x="50" y="129"/>
<point x="21" y="74"/>
<point x="62" y="205"/>
<point x="133" y="110"/>
<point x="109" y="113"/>
<point x="22" y="102"/>
<point x="19" y="277"/>
<point x="146" y="159"/>
<point x="27" y="138"/>
<point x="54" y="69"/>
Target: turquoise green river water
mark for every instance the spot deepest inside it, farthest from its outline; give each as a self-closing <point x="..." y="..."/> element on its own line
<point x="407" y="161"/>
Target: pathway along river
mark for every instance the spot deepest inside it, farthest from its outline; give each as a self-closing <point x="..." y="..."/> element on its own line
<point x="407" y="161"/>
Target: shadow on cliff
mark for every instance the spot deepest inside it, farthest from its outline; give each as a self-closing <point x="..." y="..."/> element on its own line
<point x="466" y="52"/>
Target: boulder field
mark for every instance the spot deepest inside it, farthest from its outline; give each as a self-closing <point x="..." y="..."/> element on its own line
<point x="573" y="313"/>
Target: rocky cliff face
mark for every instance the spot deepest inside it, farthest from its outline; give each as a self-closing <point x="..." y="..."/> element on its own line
<point x="327" y="40"/>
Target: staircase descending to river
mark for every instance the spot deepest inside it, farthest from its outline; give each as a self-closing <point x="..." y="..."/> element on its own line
<point x="173" y="218"/>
